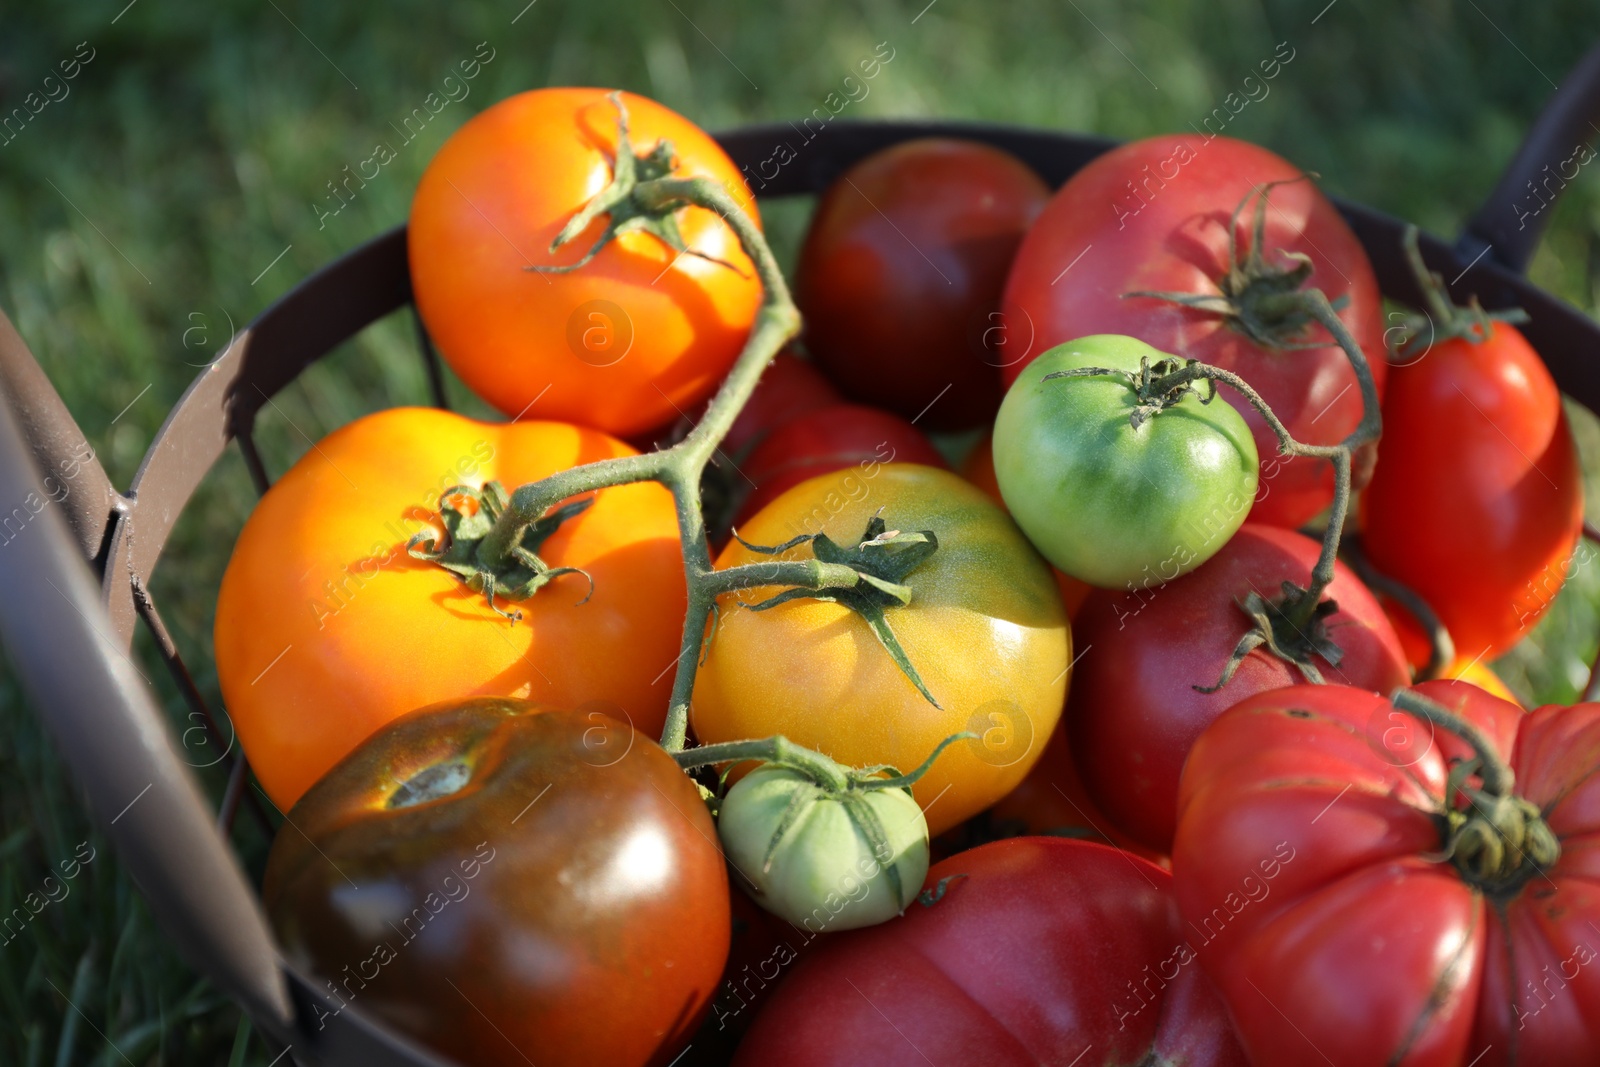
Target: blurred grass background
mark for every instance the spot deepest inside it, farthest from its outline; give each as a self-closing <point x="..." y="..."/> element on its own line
<point x="141" y="215"/>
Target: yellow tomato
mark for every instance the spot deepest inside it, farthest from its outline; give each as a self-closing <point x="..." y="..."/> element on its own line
<point x="985" y="629"/>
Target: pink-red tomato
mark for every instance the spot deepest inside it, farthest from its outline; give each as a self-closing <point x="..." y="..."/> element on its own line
<point x="1039" y="951"/>
<point x="1154" y="216"/>
<point x="1134" y="710"/>
<point x="1311" y="859"/>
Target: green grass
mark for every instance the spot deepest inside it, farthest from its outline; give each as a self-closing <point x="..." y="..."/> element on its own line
<point x="143" y="213"/>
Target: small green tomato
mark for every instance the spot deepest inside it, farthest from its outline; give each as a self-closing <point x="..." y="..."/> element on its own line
<point x="824" y="860"/>
<point x="1116" y="483"/>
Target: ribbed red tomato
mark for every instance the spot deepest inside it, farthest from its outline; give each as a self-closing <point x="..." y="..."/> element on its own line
<point x="1040" y="950"/>
<point x="1477" y="499"/>
<point x="1372" y="946"/>
<point x="1154" y="216"/>
<point x="1134" y="710"/>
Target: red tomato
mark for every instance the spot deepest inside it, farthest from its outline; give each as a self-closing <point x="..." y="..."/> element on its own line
<point x="1367" y="946"/>
<point x="1477" y="499"/>
<point x="900" y="276"/>
<point x="830" y="439"/>
<point x="1153" y="216"/>
<point x="1041" y="950"/>
<point x="1134" y="711"/>
<point x="789" y="387"/>
<point x="635" y="336"/>
<point x="979" y="470"/>
<point x="1052" y="800"/>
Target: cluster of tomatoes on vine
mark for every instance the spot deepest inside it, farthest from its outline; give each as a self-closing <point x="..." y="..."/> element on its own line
<point x="703" y="710"/>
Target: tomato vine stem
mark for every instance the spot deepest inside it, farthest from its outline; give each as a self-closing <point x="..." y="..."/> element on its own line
<point x="1291" y="627"/>
<point x="493" y="547"/>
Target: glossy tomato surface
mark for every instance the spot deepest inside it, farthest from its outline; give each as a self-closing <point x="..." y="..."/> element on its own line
<point x="978" y="468"/>
<point x="1040" y="951"/>
<point x="1154" y="216"/>
<point x="636" y="336"/>
<point x="839" y="437"/>
<point x="1108" y="501"/>
<point x="1134" y="709"/>
<point x="508" y="883"/>
<point x="900" y="276"/>
<point x="1477" y="499"/>
<point x="326" y="628"/>
<point x="1370" y="947"/>
<point x="985" y="629"/>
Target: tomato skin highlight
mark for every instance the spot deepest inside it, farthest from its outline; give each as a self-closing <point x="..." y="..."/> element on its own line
<point x="638" y="335"/>
<point x="985" y="629"/>
<point x="1134" y="711"/>
<point x="326" y="629"/>
<point x="1477" y="500"/>
<point x="588" y="923"/>
<point x="1153" y="216"/>
<point x="1356" y="946"/>
<point x="901" y="272"/>
<point x="1039" y="951"/>
<point x="1107" y="502"/>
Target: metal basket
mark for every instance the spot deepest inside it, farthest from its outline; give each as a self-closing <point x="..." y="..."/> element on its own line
<point x="73" y="590"/>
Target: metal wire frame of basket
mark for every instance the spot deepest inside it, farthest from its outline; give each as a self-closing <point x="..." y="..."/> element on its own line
<point x="73" y="592"/>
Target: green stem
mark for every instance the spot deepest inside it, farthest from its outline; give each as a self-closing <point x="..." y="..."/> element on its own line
<point x="778" y="749"/>
<point x="680" y="467"/>
<point x="1498" y="777"/>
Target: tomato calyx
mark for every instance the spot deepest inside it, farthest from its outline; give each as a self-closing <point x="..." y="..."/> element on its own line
<point x="1294" y="628"/>
<point x="867" y="578"/>
<point x="1158" y="386"/>
<point x="1497" y="840"/>
<point x="625" y="209"/>
<point x="513" y="571"/>
<point x="1254" y="297"/>
<point x="1441" y="318"/>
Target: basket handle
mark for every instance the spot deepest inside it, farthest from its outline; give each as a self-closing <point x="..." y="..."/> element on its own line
<point x="1508" y="226"/>
<point x="109" y="731"/>
<point x="75" y="480"/>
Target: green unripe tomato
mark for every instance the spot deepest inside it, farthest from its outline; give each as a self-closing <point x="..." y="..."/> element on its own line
<point x="810" y="859"/>
<point x="1114" y="505"/>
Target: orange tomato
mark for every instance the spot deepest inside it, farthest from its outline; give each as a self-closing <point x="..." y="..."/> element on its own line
<point x="327" y="629"/>
<point x="979" y="470"/>
<point x="626" y="343"/>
